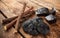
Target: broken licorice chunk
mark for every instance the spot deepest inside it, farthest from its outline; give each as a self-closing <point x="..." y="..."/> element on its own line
<point x="42" y="11"/>
<point x="35" y="27"/>
<point x="53" y="11"/>
<point x="50" y="18"/>
<point x="43" y="28"/>
<point x="28" y="27"/>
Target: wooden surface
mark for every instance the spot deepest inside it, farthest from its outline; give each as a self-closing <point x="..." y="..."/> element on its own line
<point x="13" y="7"/>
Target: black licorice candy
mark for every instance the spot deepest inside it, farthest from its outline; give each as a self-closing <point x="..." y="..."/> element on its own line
<point x="42" y="11"/>
<point x="51" y="18"/>
<point x="30" y="26"/>
<point x="43" y="28"/>
<point x="53" y="11"/>
<point x="35" y="26"/>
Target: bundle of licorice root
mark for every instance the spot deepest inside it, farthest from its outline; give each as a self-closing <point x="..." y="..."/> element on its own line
<point x="17" y="20"/>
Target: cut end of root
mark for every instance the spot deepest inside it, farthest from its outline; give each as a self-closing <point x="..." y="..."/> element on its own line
<point x="15" y="32"/>
<point x="5" y="28"/>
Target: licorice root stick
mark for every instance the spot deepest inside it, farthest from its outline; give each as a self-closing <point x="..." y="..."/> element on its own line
<point x="9" y="25"/>
<point x="17" y="26"/>
<point x="8" y="20"/>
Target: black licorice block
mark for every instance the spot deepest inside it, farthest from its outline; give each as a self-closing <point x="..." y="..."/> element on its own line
<point x="42" y="11"/>
<point x="51" y="19"/>
<point x="35" y="26"/>
<point x="43" y="28"/>
<point x="30" y="26"/>
<point x="53" y="11"/>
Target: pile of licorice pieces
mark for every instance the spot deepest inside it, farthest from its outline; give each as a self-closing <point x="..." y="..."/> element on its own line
<point x="36" y="25"/>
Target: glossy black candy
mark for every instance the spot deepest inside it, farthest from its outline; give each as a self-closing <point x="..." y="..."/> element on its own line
<point x="33" y="27"/>
<point x="42" y="11"/>
<point x="30" y="26"/>
<point x="53" y="11"/>
<point x="50" y="18"/>
<point x="43" y="28"/>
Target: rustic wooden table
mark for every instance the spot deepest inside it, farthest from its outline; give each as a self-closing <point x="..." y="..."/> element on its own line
<point x="12" y="8"/>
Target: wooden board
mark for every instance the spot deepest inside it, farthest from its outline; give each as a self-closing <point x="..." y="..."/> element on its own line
<point x="13" y="7"/>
